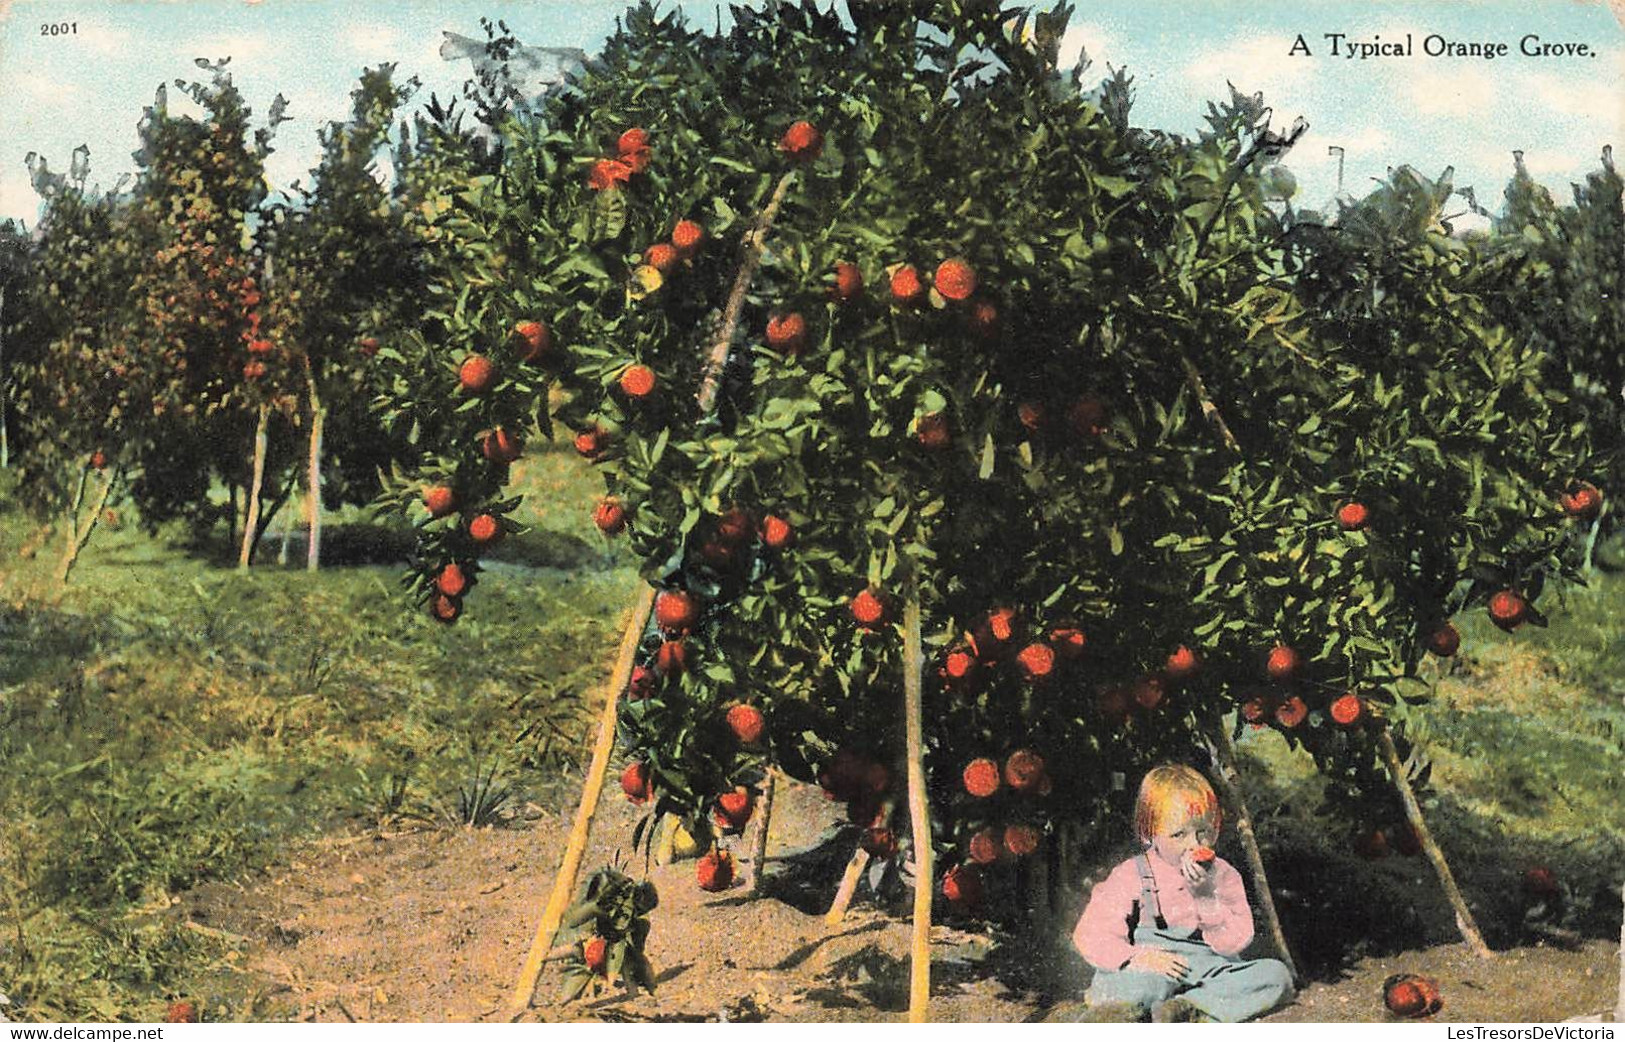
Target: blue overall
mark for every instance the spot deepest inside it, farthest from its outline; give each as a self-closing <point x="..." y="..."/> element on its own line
<point x="1222" y="987"/>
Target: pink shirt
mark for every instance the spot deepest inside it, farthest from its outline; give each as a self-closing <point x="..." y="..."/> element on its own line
<point x="1226" y="919"/>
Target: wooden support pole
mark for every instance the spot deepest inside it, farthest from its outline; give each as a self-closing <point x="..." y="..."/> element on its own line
<point x="919" y="811"/>
<point x="848" y="887"/>
<point x="564" y="884"/>
<point x="1229" y="779"/>
<point x="1413" y="813"/>
<point x="764" y="819"/>
<point x="854" y="869"/>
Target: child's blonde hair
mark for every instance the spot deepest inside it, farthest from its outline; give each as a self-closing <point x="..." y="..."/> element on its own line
<point x="1170" y="796"/>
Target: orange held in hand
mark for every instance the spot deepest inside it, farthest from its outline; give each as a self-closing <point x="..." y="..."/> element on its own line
<point x="1202" y="855"/>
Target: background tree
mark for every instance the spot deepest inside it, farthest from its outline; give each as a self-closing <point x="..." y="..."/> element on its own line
<point x="347" y="279"/>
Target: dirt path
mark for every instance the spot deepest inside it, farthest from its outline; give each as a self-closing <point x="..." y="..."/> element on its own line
<point x="432" y="926"/>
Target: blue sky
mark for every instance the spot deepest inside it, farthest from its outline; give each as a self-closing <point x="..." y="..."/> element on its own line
<point x="89" y="86"/>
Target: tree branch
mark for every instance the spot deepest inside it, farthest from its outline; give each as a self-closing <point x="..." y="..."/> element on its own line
<point x="752" y="244"/>
<point x="1193" y="376"/>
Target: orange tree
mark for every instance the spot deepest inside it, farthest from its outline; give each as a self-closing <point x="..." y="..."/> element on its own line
<point x="78" y="406"/>
<point x="1568" y="298"/>
<point x="1052" y="375"/>
<point x="216" y="373"/>
<point x="346" y="271"/>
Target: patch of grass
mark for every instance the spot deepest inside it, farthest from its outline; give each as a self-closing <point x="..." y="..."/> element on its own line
<point x="166" y="720"/>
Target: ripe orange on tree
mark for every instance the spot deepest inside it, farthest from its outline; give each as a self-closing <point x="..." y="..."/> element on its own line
<point x="1583" y="502"/>
<point x="687" y="236"/>
<point x="848" y="281"/>
<point x="533" y="338"/>
<point x="1347" y="709"/>
<point x="868" y="609"/>
<point x="609" y="516"/>
<point x="787" y="332"/>
<point x="485" y="530"/>
<point x="906" y="285"/>
<point x="637" y="782"/>
<point x="662" y="257"/>
<point x="1024" y="770"/>
<point x="676" y="611"/>
<point x="802" y="142"/>
<point x="1282" y="663"/>
<point x="1020" y="840"/>
<point x="956" y="279"/>
<point x="1353" y="516"/>
<point x="777" y="533"/>
<point x="1508" y="609"/>
<point x="746" y="723"/>
<point x="477" y="374"/>
<point x="638" y="381"/>
<point x="981" y="777"/>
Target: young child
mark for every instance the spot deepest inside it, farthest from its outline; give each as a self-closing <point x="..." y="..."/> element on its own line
<point x="1165" y="930"/>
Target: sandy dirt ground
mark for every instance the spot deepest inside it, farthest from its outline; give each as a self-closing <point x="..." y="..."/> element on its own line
<point x="435" y="926"/>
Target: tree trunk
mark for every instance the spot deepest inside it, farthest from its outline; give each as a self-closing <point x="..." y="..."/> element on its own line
<point x="313" y="483"/>
<point x="251" y="525"/>
<point x="919" y="811"/>
<point x="564" y="884"/>
<point x="1413" y="812"/>
<point x="70" y="549"/>
<point x="1229" y="779"/>
<point x="287" y="534"/>
<point x="79" y="534"/>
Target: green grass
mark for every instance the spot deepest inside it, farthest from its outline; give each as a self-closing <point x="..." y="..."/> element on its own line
<point x="168" y="720"/>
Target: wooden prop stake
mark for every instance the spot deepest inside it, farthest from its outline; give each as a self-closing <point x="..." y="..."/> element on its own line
<point x="919" y="982"/>
<point x="564" y="884"/>
<point x="1413" y="813"/>
<point x="1229" y="779"/>
<point x="854" y="870"/>
<point x="764" y="818"/>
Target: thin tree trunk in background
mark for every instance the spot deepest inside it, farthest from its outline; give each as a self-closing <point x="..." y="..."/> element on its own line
<point x="287" y="534"/>
<point x="251" y="524"/>
<point x="313" y="480"/>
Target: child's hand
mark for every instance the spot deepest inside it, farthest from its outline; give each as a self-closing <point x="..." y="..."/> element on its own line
<point x="1160" y="961"/>
<point x="1197" y="869"/>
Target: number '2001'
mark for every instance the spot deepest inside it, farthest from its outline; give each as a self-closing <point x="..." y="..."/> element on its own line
<point x="59" y="29"/>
